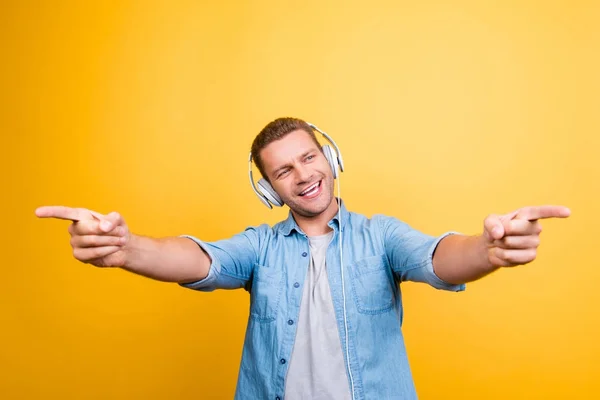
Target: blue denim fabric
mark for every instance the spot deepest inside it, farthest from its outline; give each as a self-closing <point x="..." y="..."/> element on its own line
<point x="271" y="263"/>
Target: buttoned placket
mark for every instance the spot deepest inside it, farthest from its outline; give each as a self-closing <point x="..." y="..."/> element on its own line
<point x="289" y="335"/>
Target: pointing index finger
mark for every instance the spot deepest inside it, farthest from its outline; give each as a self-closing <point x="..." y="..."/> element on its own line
<point x="60" y="212"/>
<point x="540" y="212"/>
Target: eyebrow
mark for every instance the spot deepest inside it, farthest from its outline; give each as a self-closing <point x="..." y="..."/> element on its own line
<point x="275" y="173"/>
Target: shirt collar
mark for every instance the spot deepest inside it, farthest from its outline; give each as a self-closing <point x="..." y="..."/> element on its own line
<point x="288" y="225"/>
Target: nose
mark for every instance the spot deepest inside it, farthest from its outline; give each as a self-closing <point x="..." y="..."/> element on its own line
<point x="303" y="174"/>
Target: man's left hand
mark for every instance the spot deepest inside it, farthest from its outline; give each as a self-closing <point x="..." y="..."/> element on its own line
<point x="512" y="239"/>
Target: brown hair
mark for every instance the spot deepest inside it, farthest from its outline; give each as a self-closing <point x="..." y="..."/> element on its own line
<point x="276" y="130"/>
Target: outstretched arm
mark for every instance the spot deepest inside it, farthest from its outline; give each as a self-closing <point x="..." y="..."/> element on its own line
<point x="105" y="241"/>
<point x="507" y="240"/>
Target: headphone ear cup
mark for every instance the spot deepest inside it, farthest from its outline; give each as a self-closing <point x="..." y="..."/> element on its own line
<point x="267" y="190"/>
<point x="331" y="159"/>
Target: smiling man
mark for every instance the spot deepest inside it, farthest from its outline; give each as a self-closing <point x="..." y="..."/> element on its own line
<point x="325" y="294"/>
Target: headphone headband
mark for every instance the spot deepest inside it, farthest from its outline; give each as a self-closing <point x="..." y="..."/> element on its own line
<point x="261" y="197"/>
<point x="330" y="140"/>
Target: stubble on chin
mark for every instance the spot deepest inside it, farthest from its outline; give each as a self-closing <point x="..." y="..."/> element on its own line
<point x="297" y="208"/>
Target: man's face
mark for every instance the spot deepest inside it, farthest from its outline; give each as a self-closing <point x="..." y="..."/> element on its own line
<point x="299" y="173"/>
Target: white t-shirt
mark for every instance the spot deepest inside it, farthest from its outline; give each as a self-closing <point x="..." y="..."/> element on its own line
<point x="317" y="368"/>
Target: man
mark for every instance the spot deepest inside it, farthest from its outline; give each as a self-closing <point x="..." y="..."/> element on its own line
<point x="325" y="310"/>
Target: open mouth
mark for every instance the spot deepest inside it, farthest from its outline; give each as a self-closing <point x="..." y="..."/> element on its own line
<point x="311" y="191"/>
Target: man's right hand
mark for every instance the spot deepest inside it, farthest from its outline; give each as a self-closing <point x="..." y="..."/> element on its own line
<point x="96" y="239"/>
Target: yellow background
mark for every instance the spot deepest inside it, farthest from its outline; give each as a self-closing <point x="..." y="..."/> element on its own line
<point x="444" y="114"/>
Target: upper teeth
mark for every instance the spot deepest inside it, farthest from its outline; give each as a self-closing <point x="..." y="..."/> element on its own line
<point x="311" y="187"/>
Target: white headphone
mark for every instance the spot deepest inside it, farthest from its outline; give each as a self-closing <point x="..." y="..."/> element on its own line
<point x="265" y="192"/>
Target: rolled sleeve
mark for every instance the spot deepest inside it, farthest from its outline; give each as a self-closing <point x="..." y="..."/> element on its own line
<point x="232" y="260"/>
<point x="210" y="282"/>
<point x="430" y="275"/>
<point x="410" y="253"/>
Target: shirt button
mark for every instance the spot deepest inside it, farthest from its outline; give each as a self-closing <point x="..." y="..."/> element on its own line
<point x="304" y="254"/>
<point x="290" y="322"/>
<point x="282" y="361"/>
<point x="296" y="285"/>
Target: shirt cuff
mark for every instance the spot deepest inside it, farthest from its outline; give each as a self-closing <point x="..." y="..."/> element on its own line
<point x="435" y="280"/>
<point x="209" y="283"/>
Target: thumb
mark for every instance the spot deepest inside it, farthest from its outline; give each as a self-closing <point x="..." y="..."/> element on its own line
<point x="110" y="222"/>
<point x="493" y="227"/>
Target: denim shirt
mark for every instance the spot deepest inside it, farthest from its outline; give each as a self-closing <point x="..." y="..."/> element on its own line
<point x="271" y="264"/>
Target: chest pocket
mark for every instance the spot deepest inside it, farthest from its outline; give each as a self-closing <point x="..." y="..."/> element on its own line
<point x="372" y="285"/>
<point x="265" y="293"/>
